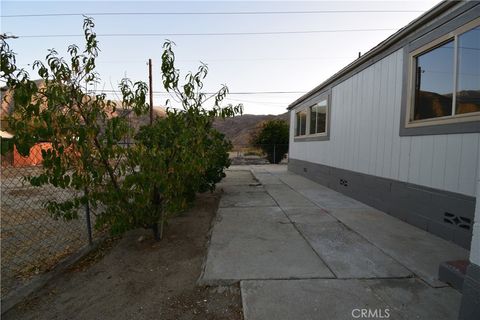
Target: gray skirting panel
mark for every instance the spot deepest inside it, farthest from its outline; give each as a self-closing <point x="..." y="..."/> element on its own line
<point x="446" y="214"/>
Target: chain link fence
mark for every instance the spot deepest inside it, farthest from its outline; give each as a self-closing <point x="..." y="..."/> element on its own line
<point x="259" y="154"/>
<point x="32" y="242"/>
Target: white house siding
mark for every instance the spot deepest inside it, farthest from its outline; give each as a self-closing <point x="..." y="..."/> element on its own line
<point x="364" y="136"/>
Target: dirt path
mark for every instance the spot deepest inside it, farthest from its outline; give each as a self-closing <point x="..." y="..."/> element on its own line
<point x="141" y="279"/>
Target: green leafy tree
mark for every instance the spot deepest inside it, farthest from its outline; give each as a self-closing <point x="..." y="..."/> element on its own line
<point x="273" y="138"/>
<point x="136" y="186"/>
<point x="185" y="152"/>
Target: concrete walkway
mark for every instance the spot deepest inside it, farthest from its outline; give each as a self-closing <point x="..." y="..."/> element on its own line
<point x="303" y="251"/>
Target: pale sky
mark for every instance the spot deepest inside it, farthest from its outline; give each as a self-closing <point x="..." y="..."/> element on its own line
<point x="253" y="63"/>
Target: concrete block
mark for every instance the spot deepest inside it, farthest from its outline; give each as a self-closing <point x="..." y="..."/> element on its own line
<point x="453" y="273"/>
<point x="470" y="306"/>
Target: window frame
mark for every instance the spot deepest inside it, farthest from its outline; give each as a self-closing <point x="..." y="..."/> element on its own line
<point x="296" y="123"/>
<point x="322" y="136"/>
<point x="309" y="114"/>
<point x="430" y="46"/>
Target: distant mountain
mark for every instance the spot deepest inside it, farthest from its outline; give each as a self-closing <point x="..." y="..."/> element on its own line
<point x="238" y="129"/>
<point x="7" y="107"/>
<point x="437" y="105"/>
<point x="241" y="128"/>
<point x="144" y="119"/>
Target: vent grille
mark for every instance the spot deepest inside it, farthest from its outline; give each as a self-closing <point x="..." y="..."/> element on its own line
<point x="459" y="221"/>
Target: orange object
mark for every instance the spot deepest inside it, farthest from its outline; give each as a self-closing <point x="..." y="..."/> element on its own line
<point x="34" y="158"/>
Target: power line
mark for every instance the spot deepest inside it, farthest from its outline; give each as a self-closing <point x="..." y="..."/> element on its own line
<point x="205" y="34"/>
<point x="273" y="104"/>
<point x="208" y="60"/>
<point x="206" y="13"/>
<point x="230" y="93"/>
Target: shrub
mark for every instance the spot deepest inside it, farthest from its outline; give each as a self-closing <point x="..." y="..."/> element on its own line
<point x="273" y="140"/>
<point x="138" y="186"/>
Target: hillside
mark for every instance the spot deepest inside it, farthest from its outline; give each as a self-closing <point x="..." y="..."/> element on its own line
<point x="7" y="107"/>
<point x="240" y="129"/>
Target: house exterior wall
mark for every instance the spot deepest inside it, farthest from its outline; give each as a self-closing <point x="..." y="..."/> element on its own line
<point x="364" y="136"/>
<point x="426" y="180"/>
<point x="427" y="176"/>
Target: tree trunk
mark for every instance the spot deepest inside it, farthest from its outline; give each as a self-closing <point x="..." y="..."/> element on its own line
<point x="156" y="233"/>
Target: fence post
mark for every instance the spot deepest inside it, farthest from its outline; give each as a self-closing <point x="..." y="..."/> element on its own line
<point x="87" y="217"/>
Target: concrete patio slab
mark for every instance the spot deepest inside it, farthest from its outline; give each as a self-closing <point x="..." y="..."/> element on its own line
<point x="266" y="178"/>
<point x="330" y="199"/>
<point x="270" y="168"/>
<point x="348" y="254"/>
<point x="320" y="195"/>
<point x="232" y="188"/>
<point x="308" y="215"/>
<point x="337" y="299"/>
<point x="312" y="253"/>
<point x="246" y="199"/>
<point x="418" y="250"/>
<point x="238" y="177"/>
<point x="300" y="183"/>
<point x="286" y="197"/>
<point x="258" y="243"/>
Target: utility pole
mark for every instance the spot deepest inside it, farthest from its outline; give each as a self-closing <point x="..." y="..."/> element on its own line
<point x="150" y="89"/>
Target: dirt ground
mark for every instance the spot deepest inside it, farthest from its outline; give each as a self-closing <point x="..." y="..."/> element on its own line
<point x="137" y="278"/>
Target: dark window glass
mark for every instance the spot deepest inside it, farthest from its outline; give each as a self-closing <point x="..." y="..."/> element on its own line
<point x="434" y="83"/>
<point x="468" y="81"/>
<point x="301" y="123"/>
<point x="318" y="117"/>
<point x="297" y="125"/>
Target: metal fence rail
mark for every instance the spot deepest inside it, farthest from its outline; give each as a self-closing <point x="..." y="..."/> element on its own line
<point x="248" y="154"/>
<point x="32" y="242"/>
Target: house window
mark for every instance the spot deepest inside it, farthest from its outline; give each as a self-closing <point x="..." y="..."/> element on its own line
<point x="446" y="79"/>
<point x="467" y="94"/>
<point x="301" y="123"/>
<point x="318" y="118"/>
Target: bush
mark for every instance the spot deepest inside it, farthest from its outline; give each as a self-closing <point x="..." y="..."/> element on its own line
<point x="138" y="186"/>
<point x="273" y="139"/>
